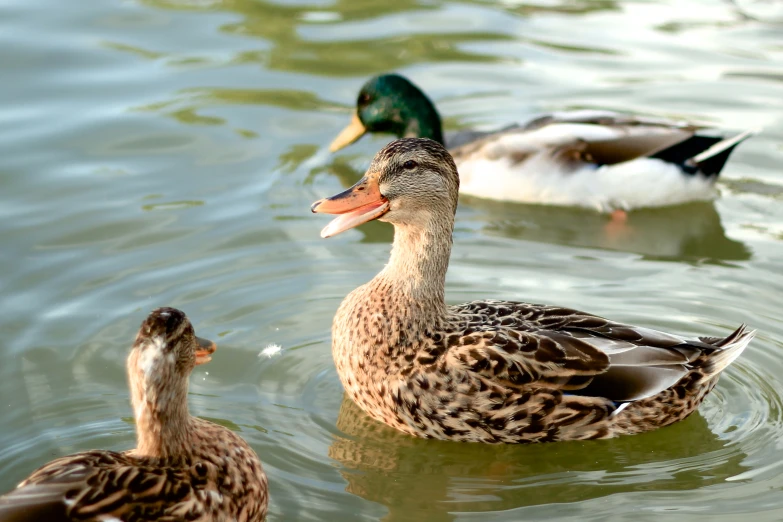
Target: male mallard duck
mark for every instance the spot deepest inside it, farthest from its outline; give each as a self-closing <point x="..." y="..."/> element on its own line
<point x="492" y="371"/>
<point x="183" y="468"/>
<point x="600" y="160"/>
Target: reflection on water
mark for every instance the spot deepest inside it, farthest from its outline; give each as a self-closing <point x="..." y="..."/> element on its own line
<point x="691" y="233"/>
<point x="295" y="49"/>
<point x="428" y="480"/>
<point x="186" y="106"/>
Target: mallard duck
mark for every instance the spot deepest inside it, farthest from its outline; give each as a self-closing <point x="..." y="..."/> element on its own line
<point x="183" y="468"/>
<point x="593" y="159"/>
<point x="492" y="371"/>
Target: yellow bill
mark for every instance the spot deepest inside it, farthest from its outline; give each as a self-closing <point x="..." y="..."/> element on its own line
<point x="348" y="135"/>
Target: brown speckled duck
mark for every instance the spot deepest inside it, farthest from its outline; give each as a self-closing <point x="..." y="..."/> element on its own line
<point x="492" y="371"/>
<point x="183" y="468"/>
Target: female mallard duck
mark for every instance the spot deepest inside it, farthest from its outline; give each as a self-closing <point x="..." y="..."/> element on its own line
<point x="592" y="159"/>
<point x="492" y="371"/>
<point x="183" y="468"/>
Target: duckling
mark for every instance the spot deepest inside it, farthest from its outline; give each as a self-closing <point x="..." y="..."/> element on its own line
<point x="183" y="467"/>
<point x="593" y="159"/>
<point x="492" y="371"/>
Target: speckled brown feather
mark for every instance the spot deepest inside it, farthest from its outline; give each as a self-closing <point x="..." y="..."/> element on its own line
<point x="211" y="475"/>
<point x="498" y="371"/>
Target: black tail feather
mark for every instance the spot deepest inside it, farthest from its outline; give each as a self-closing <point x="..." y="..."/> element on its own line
<point x="714" y="164"/>
<point x="685" y="150"/>
<point x="704" y="154"/>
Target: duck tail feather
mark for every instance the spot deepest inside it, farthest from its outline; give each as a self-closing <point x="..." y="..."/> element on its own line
<point x="703" y="154"/>
<point x="727" y="349"/>
<point x="32" y="503"/>
<point x="681" y="152"/>
<point x="711" y="161"/>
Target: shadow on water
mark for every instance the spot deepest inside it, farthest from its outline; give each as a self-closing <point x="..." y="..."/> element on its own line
<point x="420" y="479"/>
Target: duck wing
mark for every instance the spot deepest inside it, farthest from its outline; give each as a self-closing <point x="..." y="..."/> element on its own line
<point x="101" y="485"/>
<point x="607" y="119"/>
<point x="520" y="345"/>
<point x="573" y="143"/>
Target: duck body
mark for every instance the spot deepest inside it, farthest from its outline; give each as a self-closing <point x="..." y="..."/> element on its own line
<point x="594" y="159"/>
<point x="183" y="468"/>
<point x="493" y="371"/>
<point x="221" y="479"/>
<point x="553" y="165"/>
<point x="511" y="372"/>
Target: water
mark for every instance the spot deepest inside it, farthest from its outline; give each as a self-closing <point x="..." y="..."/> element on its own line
<point x="166" y="153"/>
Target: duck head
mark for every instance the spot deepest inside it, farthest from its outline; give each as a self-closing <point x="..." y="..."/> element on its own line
<point x="164" y="354"/>
<point x="412" y="182"/>
<point x="391" y="104"/>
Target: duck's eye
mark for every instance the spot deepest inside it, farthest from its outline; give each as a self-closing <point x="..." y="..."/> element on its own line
<point x="410" y="165"/>
<point x="364" y="98"/>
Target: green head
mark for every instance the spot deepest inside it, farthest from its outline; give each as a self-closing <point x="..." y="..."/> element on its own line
<point x="391" y="104"/>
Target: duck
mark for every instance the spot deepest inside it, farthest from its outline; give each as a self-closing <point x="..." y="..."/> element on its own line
<point x="183" y="467"/>
<point x="602" y="160"/>
<point x="492" y="371"/>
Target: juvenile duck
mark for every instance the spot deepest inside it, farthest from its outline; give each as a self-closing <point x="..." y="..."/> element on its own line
<point x="594" y="159"/>
<point x="492" y="371"/>
<point x="183" y="468"/>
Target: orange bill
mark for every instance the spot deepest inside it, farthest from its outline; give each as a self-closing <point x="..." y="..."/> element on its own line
<point x="359" y="204"/>
<point x="205" y="350"/>
<point x="348" y="135"/>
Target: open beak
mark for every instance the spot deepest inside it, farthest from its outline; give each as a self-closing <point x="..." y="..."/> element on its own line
<point x="348" y="135"/>
<point x="205" y="350"/>
<point x="359" y="204"/>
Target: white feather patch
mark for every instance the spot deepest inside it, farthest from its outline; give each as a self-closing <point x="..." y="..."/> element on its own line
<point x="619" y="409"/>
<point x="639" y="183"/>
<point x="152" y="356"/>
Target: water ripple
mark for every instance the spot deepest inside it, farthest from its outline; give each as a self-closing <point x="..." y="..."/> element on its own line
<point x="166" y="152"/>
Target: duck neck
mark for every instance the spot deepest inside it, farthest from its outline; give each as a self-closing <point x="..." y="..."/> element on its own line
<point x="422" y="120"/>
<point x="423" y="128"/>
<point x="414" y="279"/>
<point x="163" y="422"/>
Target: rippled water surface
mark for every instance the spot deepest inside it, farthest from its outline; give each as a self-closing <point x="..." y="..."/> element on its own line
<point x="165" y="152"/>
